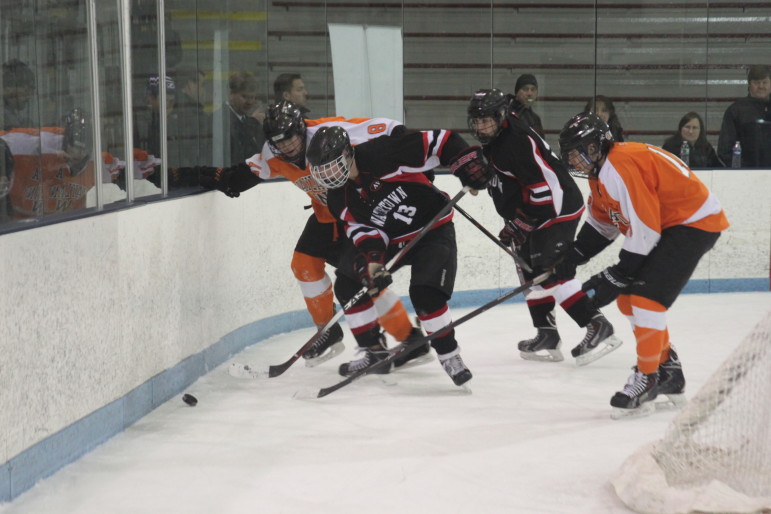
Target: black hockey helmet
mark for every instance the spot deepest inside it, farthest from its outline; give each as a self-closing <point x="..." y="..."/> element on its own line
<point x="330" y="154"/>
<point x="487" y="103"/>
<point x="283" y="121"/>
<point x="590" y="137"/>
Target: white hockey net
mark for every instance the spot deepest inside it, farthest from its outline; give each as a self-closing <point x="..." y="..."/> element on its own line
<point x="716" y="454"/>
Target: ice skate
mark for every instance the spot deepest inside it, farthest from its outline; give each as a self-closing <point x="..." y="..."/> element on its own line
<point x="454" y="366"/>
<point x="328" y="345"/>
<point x="636" y="398"/>
<point x="373" y="354"/>
<point x="416" y="357"/>
<point x="545" y="346"/>
<point x="671" y="383"/>
<point x="598" y="342"/>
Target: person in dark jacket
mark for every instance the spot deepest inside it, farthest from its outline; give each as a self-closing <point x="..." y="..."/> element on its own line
<point x="525" y="96"/>
<point x="748" y="121"/>
<point x="701" y="154"/>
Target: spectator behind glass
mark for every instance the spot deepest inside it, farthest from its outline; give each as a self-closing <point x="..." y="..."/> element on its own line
<point x="525" y="96"/>
<point x="195" y="136"/>
<point x="148" y="130"/>
<point x="748" y="121"/>
<point x="603" y="107"/>
<point x="18" y="89"/>
<point x="691" y="129"/>
<point x="246" y="134"/>
<point x="290" y="87"/>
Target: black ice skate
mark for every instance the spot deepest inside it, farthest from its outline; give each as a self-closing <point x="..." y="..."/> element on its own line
<point x="545" y="346"/>
<point x="327" y="346"/>
<point x="454" y="366"/>
<point x="416" y="357"/>
<point x="671" y="382"/>
<point x="636" y="398"/>
<point x="598" y="342"/>
<point x="372" y="355"/>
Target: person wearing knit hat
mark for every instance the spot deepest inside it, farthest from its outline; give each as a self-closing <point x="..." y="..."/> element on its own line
<point x="526" y="79"/>
<point x="525" y="95"/>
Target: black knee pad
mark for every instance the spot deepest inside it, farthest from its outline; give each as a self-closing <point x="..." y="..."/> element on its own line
<point x="427" y="299"/>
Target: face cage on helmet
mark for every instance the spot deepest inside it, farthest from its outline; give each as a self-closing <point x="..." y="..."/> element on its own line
<point x="584" y="155"/>
<point x="333" y="174"/>
<point x="281" y="155"/>
<point x="485" y="139"/>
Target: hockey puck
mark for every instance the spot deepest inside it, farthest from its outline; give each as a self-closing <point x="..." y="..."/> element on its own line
<point x="190" y="400"/>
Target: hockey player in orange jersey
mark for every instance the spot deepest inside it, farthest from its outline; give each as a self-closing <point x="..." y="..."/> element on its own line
<point x="669" y="219"/>
<point x="53" y="170"/>
<point x="283" y="155"/>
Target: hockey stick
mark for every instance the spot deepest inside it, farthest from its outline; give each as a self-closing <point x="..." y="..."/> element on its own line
<point x="278" y="369"/>
<point x="423" y="340"/>
<point x="517" y="259"/>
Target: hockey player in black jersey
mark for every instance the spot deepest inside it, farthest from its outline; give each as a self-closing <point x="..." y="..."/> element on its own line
<point x="541" y="207"/>
<point x="379" y="192"/>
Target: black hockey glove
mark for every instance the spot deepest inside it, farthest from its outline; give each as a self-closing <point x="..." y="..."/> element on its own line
<point x="370" y="269"/>
<point x="470" y="167"/>
<point x="607" y="285"/>
<point x="517" y="231"/>
<point x="215" y="178"/>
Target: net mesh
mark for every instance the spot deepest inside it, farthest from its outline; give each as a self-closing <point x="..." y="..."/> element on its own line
<point x="716" y="454"/>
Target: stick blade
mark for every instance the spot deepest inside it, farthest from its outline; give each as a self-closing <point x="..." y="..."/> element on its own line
<point x="307" y="393"/>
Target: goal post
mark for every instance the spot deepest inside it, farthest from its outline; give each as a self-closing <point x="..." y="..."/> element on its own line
<point x="715" y="456"/>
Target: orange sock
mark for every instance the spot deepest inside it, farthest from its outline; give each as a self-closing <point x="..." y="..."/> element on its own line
<point x="315" y="285"/>
<point x="392" y="315"/>
<point x="321" y="307"/>
<point x="650" y="331"/>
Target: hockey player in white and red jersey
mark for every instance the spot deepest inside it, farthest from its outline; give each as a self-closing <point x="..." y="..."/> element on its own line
<point x="541" y="206"/>
<point x="669" y="219"/>
<point x="380" y="193"/>
<point x="283" y="155"/>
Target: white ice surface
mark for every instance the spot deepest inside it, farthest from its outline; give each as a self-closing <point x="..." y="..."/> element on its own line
<point x="532" y="437"/>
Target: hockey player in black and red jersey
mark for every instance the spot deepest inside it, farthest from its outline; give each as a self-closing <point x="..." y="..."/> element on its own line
<point x="541" y="207"/>
<point x="378" y="190"/>
<point x="283" y="155"/>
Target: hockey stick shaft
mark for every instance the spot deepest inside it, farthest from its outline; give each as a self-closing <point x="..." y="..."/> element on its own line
<point x="517" y="259"/>
<point x="423" y="340"/>
<point x="278" y="369"/>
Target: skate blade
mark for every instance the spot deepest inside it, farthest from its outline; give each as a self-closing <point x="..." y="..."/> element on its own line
<point x="646" y="409"/>
<point x="333" y="351"/>
<point x="419" y="361"/>
<point x="603" y="348"/>
<point x="550" y="356"/>
<point x="307" y="393"/>
<point x="241" y="370"/>
<point x="673" y="402"/>
<point x="387" y="380"/>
